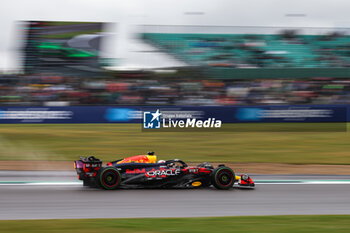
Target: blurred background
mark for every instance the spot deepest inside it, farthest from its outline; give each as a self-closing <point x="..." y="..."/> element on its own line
<point x="187" y="54"/>
<point x="76" y="76"/>
<point x="100" y="62"/>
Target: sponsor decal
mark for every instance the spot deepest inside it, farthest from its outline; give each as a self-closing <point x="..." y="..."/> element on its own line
<point x="122" y="114"/>
<point x="35" y="115"/>
<point x="249" y="114"/>
<point x="196" y="183"/>
<point x="163" y="173"/>
<point x="135" y="171"/>
<point x="256" y="114"/>
<point x="92" y="165"/>
<point x="193" y="170"/>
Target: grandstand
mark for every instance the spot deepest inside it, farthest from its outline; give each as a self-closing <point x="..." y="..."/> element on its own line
<point x="297" y="52"/>
<point x="257" y="51"/>
<point x="246" y="66"/>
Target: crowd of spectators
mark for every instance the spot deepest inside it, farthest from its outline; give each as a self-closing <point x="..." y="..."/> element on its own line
<point x="53" y="90"/>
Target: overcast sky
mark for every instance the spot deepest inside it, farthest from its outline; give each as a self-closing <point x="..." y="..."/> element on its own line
<point x="126" y="13"/>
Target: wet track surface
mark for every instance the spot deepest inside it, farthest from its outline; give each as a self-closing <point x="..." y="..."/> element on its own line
<point x="74" y="201"/>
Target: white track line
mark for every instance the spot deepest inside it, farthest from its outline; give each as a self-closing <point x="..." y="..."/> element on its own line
<point x="40" y="183"/>
<point x="258" y="182"/>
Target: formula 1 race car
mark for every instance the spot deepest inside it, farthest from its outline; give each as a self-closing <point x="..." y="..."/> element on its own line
<point x="143" y="171"/>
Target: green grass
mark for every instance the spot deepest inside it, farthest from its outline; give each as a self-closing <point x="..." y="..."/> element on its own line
<point x="261" y="224"/>
<point x="113" y="141"/>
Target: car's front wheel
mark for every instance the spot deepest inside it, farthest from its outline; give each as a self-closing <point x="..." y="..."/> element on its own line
<point x="223" y="177"/>
<point x="108" y="178"/>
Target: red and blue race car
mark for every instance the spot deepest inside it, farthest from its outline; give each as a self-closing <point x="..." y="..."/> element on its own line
<point x="144" y="171"/>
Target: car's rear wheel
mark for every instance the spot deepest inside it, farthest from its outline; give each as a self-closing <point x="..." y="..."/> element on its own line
<point x="223" y="177"/>
<point x="108" y="178"/>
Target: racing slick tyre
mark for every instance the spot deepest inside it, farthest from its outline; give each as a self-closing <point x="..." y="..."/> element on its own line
<point x="108" y="178"/>
<point x="223" y="177"/>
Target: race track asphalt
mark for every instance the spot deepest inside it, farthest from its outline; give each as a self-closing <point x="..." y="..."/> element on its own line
<point x="71" y="200"/>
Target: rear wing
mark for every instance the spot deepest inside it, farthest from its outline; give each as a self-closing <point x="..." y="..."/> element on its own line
<point x="87" y="167"/>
